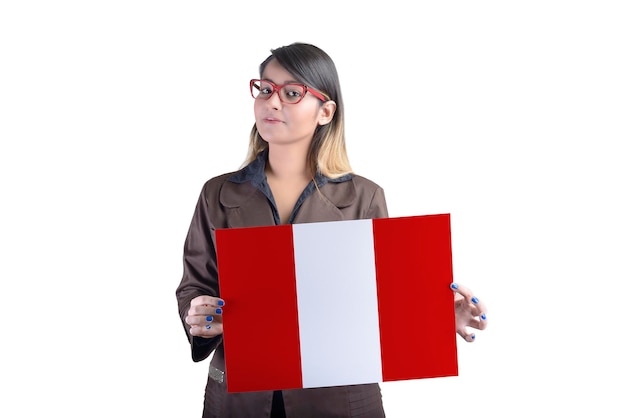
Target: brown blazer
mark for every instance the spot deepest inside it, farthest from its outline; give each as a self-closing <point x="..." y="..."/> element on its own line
<point x="226" y="204"/>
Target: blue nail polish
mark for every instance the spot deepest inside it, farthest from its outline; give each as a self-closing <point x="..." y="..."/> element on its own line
<point x="473" y="337"/>
<point x="474" y="299"/>
<point x="218" y="311"/>
<point x="209" y="318"/>
<point x="454" y="286"/>
<point x="220" y="303"/>
<point x="483" y="317"/>
<point x="208" y="327"/>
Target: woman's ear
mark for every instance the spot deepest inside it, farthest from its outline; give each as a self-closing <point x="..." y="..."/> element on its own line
<point x="326" y="112"/>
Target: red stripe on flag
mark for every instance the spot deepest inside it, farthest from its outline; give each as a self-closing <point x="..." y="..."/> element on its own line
<point x="415" y="303"/>
<point x="257" y="282"/>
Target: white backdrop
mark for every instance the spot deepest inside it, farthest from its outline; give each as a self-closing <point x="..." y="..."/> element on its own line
<point x="510" y="116"/>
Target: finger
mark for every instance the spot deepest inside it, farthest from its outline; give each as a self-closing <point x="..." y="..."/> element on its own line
<point x="467" y="336"/>
<point x="206" y="331"/>
<point x="467" y="306"/>
<point x="478" y="322"/>
<point x="462" y="290"/>
<point x="203" y="319"/>
<point x="469" y="297"/>
<point x="207" y="300"/>
<point x="477" y="318"/>
<point x="479" y="305"/>
<point x="482" y="321"/>
<point x="205" y="310"/>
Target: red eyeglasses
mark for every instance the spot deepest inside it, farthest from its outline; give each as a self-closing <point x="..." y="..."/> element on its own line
<point x="291" y="93"/>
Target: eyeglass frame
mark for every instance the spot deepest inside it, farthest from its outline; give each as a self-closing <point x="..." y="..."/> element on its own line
<point x="276" y="89"/>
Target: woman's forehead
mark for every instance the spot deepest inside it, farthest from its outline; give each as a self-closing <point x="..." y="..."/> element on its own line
<point x="277" y="74"/>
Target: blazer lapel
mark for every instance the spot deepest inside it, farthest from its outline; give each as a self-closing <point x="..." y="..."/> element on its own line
<point x="324" y="205"/>
<point x="245" y="206"/>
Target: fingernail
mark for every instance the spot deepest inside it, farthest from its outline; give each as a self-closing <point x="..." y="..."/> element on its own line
<point x="220" y="303"/>
<point x="209" y="318"/>
<point x="483" y="317"/>
<point x="218" y="311"/>
<point x="454" y="286"/>
<point x="474" y="299"/>
<point x="208" y="327"/>
<point x="473" y="337"/>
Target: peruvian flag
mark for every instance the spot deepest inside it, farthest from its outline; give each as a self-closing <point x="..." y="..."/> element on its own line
<point x="337" y="303"/>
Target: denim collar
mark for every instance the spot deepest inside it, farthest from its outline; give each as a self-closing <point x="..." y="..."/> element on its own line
<point x="255" y="174"/>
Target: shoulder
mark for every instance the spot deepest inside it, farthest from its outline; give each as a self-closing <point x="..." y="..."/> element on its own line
<point x="346" y="191"/>
<point x="359" y="186"/>
<point x="229" y="189"/>
<point x="365" y="184"/>
<point x="215" y="184"/>
<point x="372" y="197"/>
<point x="357" y="197"/>
<point x="218" y="181"/>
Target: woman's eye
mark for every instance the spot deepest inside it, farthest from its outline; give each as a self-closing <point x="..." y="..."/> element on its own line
<point x="294" y="93"/>
<point x="265" y="90"/>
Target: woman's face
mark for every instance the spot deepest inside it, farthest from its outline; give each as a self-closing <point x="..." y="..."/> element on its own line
<point x="284" y="123"/>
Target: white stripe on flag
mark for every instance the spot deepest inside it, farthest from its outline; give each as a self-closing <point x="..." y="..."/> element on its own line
<point x="338" y="318"/>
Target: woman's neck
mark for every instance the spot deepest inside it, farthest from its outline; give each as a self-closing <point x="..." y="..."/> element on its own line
<point x="288" y="175"/>
<point x="288" y="163"/>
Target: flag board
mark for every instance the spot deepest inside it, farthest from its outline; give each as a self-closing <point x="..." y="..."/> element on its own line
<point x="337" y="303"/>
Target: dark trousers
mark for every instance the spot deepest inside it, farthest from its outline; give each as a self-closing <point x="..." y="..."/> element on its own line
<point x="278" y="406"/>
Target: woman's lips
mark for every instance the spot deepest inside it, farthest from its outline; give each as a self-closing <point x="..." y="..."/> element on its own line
<point x="272" y="120"/>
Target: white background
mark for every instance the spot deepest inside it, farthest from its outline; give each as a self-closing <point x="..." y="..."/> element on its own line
<point x="508" y="115"/>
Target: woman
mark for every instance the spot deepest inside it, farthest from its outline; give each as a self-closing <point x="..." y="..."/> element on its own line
<point x="297" y="171"/>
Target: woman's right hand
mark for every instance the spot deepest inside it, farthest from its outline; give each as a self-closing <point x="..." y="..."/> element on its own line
<point x="205" y="316"/>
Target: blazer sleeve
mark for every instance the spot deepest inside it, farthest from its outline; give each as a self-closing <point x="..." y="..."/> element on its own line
<point x="199" y="273"/>
<point x="378" y="205"/>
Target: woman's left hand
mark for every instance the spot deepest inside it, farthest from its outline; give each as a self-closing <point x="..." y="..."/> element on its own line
<point x="469" y="312"/>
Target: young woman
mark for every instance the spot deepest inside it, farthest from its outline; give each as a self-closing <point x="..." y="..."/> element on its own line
<point x="297" y="171"/>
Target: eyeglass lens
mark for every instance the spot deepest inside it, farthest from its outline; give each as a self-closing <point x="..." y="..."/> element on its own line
<point x="288" y="93"/>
